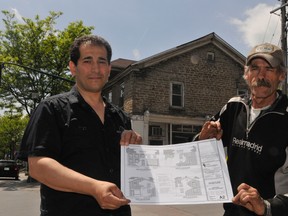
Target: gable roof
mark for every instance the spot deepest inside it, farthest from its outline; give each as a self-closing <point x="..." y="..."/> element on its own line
<point x="181" y="49"/>
<point x="178" y="50"/>
<point x="119" y="65"/>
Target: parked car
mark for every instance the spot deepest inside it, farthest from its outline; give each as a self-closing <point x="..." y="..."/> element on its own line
<point x="9" y="168"/>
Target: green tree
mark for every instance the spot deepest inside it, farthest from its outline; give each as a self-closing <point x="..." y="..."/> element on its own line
<point x="11" y="131"/>
<point x="30" y="47"/>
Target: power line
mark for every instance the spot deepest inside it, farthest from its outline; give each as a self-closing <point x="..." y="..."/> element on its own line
<point x="2" y="66"/>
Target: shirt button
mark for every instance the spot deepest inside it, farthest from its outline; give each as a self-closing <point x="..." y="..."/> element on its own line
<point x="111" y="170"/>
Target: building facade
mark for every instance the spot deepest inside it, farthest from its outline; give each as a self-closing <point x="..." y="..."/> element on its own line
<point x="171" y="94"/>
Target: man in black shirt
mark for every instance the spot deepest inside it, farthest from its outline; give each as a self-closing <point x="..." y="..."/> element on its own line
<point x="72" y="142"/>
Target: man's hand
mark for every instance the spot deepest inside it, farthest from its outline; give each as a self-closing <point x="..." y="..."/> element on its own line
<point x="250" y="198"/>
<point x="211" y="129"/>
<point x="109" y="196"/>
<point x="130" y="137"/>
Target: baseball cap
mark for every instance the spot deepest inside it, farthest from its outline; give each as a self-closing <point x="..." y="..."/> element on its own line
<point x="271" y="53"/>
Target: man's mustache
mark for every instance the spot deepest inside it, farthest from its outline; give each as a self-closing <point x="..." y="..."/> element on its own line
<point x="261" y="82"/>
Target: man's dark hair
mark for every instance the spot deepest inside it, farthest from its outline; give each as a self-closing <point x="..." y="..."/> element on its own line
<point x="94" y="40"/>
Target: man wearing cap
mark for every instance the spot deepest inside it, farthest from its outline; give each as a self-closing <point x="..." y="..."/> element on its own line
<point x="254" y="128"/>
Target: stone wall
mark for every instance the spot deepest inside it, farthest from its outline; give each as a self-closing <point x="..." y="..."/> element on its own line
<point x="207" y="85"/>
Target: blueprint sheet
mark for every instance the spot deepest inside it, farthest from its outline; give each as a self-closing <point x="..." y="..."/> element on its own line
<point x="186" y="173"/>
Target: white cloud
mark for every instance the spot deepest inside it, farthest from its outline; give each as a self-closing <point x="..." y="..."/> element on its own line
<point x="136" y="54"/>
<point x="259" y="25"/>
<point x="17" y="15"/>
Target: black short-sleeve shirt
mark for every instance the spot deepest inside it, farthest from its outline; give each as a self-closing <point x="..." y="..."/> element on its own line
<point x="64" y="127"/>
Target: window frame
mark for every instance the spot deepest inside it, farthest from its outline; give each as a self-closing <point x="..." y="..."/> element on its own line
<point x="172" y="94"/>
<point x="121" y="94"/>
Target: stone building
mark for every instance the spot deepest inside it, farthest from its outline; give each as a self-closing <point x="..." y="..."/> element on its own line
<point x="170" y="95"/>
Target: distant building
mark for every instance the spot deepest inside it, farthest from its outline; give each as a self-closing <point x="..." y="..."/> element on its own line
<point x="170" y="95"/>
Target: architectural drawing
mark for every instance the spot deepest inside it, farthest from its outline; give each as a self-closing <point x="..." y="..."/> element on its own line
<point x="187" y="173"/>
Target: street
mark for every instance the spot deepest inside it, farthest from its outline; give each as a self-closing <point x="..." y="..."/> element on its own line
<point x="19" y="198"/>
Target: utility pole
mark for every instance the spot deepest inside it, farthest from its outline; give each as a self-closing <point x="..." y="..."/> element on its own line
<point x="283" y="36"/>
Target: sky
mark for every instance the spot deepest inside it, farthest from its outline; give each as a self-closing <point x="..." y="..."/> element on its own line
<point x="137" y="29"/>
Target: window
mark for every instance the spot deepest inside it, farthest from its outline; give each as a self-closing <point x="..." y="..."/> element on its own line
<point x="155" y="130"/>
<point x="121" y="98"/>
<point x="157" y="134"/>
<point x="177" y="95"/>
<point x="210" y="57"/>
<point x="184" y="133"/>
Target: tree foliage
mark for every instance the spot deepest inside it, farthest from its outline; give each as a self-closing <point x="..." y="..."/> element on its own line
<point x="11" y="132"/>
<point x="29" y="47"/>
